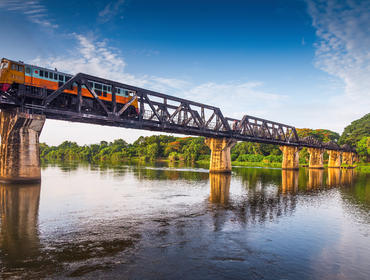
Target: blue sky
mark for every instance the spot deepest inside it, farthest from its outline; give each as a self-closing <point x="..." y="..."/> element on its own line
<point x="304" y="63"/>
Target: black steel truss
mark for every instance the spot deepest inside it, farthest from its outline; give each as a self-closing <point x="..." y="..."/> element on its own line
<point x="157" y="112"/>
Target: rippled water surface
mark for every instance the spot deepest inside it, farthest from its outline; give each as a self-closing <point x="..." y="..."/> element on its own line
<point x="160" y="222"/>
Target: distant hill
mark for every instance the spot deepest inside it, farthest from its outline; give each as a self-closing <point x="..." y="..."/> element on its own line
<point x="356" y="131"/>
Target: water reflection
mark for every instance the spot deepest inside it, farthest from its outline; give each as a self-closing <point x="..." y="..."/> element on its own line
<point x="346" y="177"/>
<point x="333" y="178"/>
<point x="289" y="182"/>
<point x="131" y="218"/>
<point x="315" y="178"/>
<point x="220" y="188"/>
<point x="19" y="238"/>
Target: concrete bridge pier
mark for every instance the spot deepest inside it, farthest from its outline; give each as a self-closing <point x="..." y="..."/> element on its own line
<point x="220" y="154"/>
<point x="347" y="158"/>
<point x="334" y="159"/>
<point x="290" y="157"/>
<point x="316" y="158"/>
<point x="20" y="150"/>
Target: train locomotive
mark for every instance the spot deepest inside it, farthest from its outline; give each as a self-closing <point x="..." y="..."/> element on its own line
<point x="37" y="82"/>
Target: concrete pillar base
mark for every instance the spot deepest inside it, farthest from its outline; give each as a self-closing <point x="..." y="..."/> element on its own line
<point x="316" y="158"/>
<point x="334" y="159"/>
<point x="220" y="154"/>
<point x="20" y="150"/>
<point x="347" y="159"/>
<point x="290" y="157"/>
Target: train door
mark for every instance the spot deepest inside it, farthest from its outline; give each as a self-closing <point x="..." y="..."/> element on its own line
<point x="17" y="71"/>
<point x="28" y="77"/>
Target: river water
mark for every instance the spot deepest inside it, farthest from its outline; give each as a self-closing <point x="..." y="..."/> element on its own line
<point x="176" y="222"/>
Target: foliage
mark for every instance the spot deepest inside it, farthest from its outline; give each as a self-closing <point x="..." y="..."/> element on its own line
<point x="192" y="149"/>
<point x="356" y="131"/>
<point x="363" y="148"/>
<point x="323" y="135"/>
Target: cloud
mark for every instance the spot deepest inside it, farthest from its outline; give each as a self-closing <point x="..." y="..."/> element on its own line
<point x="91" y="56"/>
<point x="33" y="10"/>
<point x="343" y="29"/>
<point x="97" y="58"/>
<point x="237" y="98"/>
<point x="110" y="10"/>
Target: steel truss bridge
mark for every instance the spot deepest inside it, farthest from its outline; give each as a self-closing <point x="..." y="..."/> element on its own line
<point x="157" y="112"/>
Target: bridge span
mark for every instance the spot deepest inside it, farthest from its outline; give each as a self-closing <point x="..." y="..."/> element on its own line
<point x="24" y="108"/>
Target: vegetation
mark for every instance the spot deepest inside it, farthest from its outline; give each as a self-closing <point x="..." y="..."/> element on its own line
<point x="193" y="149"/>
<point x="356" y="131"/>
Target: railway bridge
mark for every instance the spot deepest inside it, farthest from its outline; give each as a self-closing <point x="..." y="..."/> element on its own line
<point x="25" y="107"/>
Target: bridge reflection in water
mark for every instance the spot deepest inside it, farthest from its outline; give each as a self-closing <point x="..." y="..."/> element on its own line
<point x="220" y="188"/>
<point x="292" y="181"/>
<point x="19" y="238"/>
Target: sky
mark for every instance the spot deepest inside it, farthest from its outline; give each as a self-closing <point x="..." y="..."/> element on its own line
<point x="304" y="63"/>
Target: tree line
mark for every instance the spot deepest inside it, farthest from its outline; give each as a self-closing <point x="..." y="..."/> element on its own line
<point x="193" y="149"/>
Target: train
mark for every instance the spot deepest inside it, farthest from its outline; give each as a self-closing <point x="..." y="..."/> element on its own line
<point x="36" y="79"/>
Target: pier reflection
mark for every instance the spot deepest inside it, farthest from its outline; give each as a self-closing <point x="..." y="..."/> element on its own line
<point x="346" y="178"/>
<point x="289" y="181"/>
<point x="315" y="178"/>
<point x="333" y="178"/>
<point x="220" y="188"/>
<point x="19" y="238"/>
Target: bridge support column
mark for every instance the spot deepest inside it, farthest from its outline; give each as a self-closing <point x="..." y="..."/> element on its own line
<point x="316" y="158"/>
<point x="220" y="154"/>
<point x="348" y="159"/>
<point x="334" y="159"/>
<point x="290" y="157"/>
<point x="20" y="150"/>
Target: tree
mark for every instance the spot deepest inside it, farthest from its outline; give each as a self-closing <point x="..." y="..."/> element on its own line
<point x="363" y="148"/>
<point x="356" y="131"/>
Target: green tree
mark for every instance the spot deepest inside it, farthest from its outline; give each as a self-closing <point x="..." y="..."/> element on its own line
<point x="363" y="148"/>
<point x="356" y="131"/>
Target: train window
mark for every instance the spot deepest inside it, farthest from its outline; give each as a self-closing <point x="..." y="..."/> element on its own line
<point x="68" y="78"/>
<point x="61" y="78"/>
<point x="14" y="67"/>
<point x="91" y="84"/>
<point x="55" y="76"/>
<point x="50" y="75"/>
<point x="104" y="87"/>
<point x="109" y="88"/>
<point x="4" y="65"/>
<point x="98" y="86"/>
<point x="41" y="73"/>
<point x="46" y="74"/>
<point x="28" y="70"/>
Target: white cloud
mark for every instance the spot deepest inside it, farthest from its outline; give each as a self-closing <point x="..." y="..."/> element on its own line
<point x="237" y="98"/>
<point x="96" y="58"/>
<point x="33" y="10"/>
<point x="343" y="29"/>
<point x="110" y="10"/>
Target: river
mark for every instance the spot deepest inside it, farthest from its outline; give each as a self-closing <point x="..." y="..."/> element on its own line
<point x="177" y="222"/>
